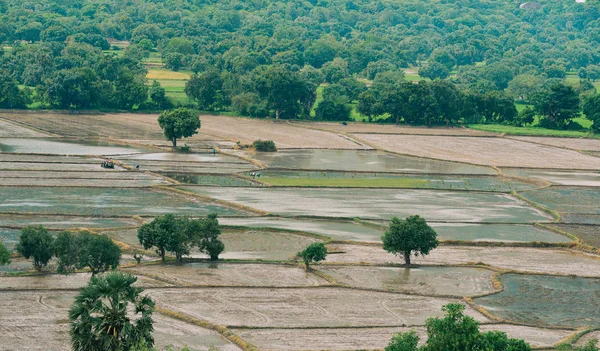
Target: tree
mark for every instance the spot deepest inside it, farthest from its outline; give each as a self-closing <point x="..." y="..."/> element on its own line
<point x="456" y="332"/>
<point x="159" y="96"/>
<point x="524" y="86"/>
<point x="101" y="320"/>
<point x="168" y="233"/>
<point x="591" y="109"/>
<point x="207" y="90"/>
<point x="409" y="236"/>
<point x="558" y="106"/>
<point x="10" y="94"/>
<point x="130" y="90"/>
<point x="179" y="123"/>
<point x="35" y="242"/>
<point x="434" y="70"/>
<point x="67" y="249"/>
<point x="173" y="61"/>
<point x="97" y="252"/>
<point x="285" y="92"/>
<point x="207" y="237"/>
<point x="443" y="57"/>
<point x="4" y="255"/>
<point x="314" y="252"/>
<point x="332" y="110"/>
<point x="72" y="88"/>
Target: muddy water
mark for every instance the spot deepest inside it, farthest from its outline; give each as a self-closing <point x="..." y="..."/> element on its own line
<point x="375" y="161"/>
<point x="547" y="301"/>
<point x="381" y="203"/>
<point x="66" y="147"/>
<point x="496" y="232"/>
<point x="558" y="177"/>
<point x="183" y="157"/>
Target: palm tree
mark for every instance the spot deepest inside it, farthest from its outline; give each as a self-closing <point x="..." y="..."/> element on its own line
<point x="101" y="320"/>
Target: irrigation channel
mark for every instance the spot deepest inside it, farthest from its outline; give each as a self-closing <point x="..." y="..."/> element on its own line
<point x="518" y="242"/>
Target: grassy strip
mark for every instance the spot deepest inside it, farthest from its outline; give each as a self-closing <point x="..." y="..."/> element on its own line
<point x="226" y="333"/>
<point x="538" y="206"/>
<point x="532" y="131"/>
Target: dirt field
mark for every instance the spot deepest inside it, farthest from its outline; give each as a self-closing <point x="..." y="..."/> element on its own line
<point x="314" y="307"/>
<point x="222" y="274"/>
<point x="57" y="281"/>
<point x="427" y="280"/>
<point x="484" y="151"/>
<point x="374" y="338"/>
<point x="12" y="130"/>
<point x="389" y="129"/>
<point x="569" y="143"/>
<point x="558" y="261"/>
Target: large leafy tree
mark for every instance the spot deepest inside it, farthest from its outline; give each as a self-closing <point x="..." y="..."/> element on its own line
<point x="130" y="89"/>
<point x="591" y="109"/>
<point x="456" y="332"/>
<point x="558" y="106"/>
<point x="410" y="236"/>
<point x="207" y="90"/>
<point x="98" y="253"/>
<point x="167" y="233"/>
<point x="67" y="250"/>
<point x="4" y="255"/>
<point x="285" y="92"/>
<point x="206" y="236"/>
<point x="314" y="252"/>
<point x="101" y="318"/>
<point x="73" y="88"/>
<point x="179" y="123"/>
<point x="37" y="243"/>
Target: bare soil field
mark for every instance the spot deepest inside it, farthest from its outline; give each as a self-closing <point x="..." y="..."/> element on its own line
<point x="484" y="151"/>
<point x="12" y="130"/>
<point x="58" y="281"/>
<point x="56" y="167"/>
<point x="550" y="261"/>
<point x="389" y="129"/>
<point x="374" y="338"/>
<point x="444" y="281"/>
<point x="285" y="135"/>
<point x="18" y="158"/>
<point x="568" y="143"/>
<point x="78" y="182"/>
<point x="302" y="307"/>
<point x="223" y="274"/>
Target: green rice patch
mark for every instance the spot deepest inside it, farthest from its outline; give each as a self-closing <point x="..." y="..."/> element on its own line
<point x="567" y="199"/>
<point x="210" y="180"/>
<point x="546" y="301"/>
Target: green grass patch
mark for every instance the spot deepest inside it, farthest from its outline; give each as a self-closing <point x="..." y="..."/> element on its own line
<point x="532" y="131"/>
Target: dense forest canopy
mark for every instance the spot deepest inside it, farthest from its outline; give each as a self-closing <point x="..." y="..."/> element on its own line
<point x="480" y="45"/>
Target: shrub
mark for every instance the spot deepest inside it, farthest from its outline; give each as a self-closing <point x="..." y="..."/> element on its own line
<point x="265" y="145"/>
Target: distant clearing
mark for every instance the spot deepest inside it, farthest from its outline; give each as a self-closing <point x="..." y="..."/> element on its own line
<point x="484" y="151"/>
<point x="166" y="74"/>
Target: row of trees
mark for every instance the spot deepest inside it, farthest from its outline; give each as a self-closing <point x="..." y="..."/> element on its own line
<point x="98" y="253"/>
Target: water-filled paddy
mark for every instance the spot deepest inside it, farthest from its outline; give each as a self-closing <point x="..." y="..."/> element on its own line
<point x="588" y="234"/>
<point x="363" y="160"/>
<point x="190" y="167"/>
<point x="558" y="177"/>
<point x="66" y="147"/>
<point x="210" y="179"/>
<point x="389" y="180"/>
<point x="102" y="202"/>
<point x="567" y="199"/>
<point x="546" y="300"/>
<point x="64" y="222"/>
<point x="380" y="203"/>
<point x="445" y="281"/>
<point x="183" y="157"/>
<point x="9" y="237"/>
<point x="496" y="232"/>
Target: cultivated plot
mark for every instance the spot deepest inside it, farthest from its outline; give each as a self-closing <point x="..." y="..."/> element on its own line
<point x="65" y="147"/>
<point x="444" y="281"/>
<point x="303" y="307"/>
<point x="342" y="230"/>
<point x="102" y="202"/>
<point x="19" y="158"/>
<point x="588" y="234"/>
<point x="389" y="129"/>
<point x="484" y="151"/>
<point x="496" y="233"/>
<point x="549" y="261"/>
<point x="546" y="301"/>
<point x="64" y="222"/>
<point x="557" y="177"/>
<point x="190" y="167"/>
<point x="227" y="274"/>
<point x="284" y="135"/>
<point x="11" y="130"/>
<point x="374" y="338"/>
<point x="592" y="219"/>
<point x="9" y="237"/>
<point x="568" y="199"/>
<point x="178" y="334"/>
<point x="63" y="282"/>
<point x="184" y="157"/>
<point x="390" y="180"/>
<point x="57" y="167"/>
<point x="380" y="203"/>
<point x="569" y="143"/>
<point x="364" y="161"/>
<point x="210" y="179"/>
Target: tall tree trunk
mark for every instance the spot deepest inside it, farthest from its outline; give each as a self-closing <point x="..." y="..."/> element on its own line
<point x="174" y="141"/>
<point x="214" y="257"/>
<point x="162" y="254"/>
<point x="277" y="114"/>
<point x="306" y="262"/>
<point x="397" y="119"/>
<point x="407" y="258"/>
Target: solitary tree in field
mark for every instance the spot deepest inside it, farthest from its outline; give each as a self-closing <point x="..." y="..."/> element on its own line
<point x="179" y="123"/>
<point x="591" y="108"/>
<point x="411" y="236"/>
<point x="98" y="253"/>
<point x="4" y="255"/>
<point x="101" y="320"/>
<point x="206" y="236"/>
<point x="36" y="243"/>
<point x="315" y="252"/>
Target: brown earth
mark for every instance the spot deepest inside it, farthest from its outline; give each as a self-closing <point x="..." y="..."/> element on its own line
<point x="58" y="281"/>
<point x="389" y="129"/>
<point x="569" y="143"/>
<point x="550" y="261"/>
<point x="11" y="130"/>
<point x="483" y="151"/>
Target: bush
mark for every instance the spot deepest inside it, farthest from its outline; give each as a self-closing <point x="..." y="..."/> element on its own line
<point x="264" y="145"/>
